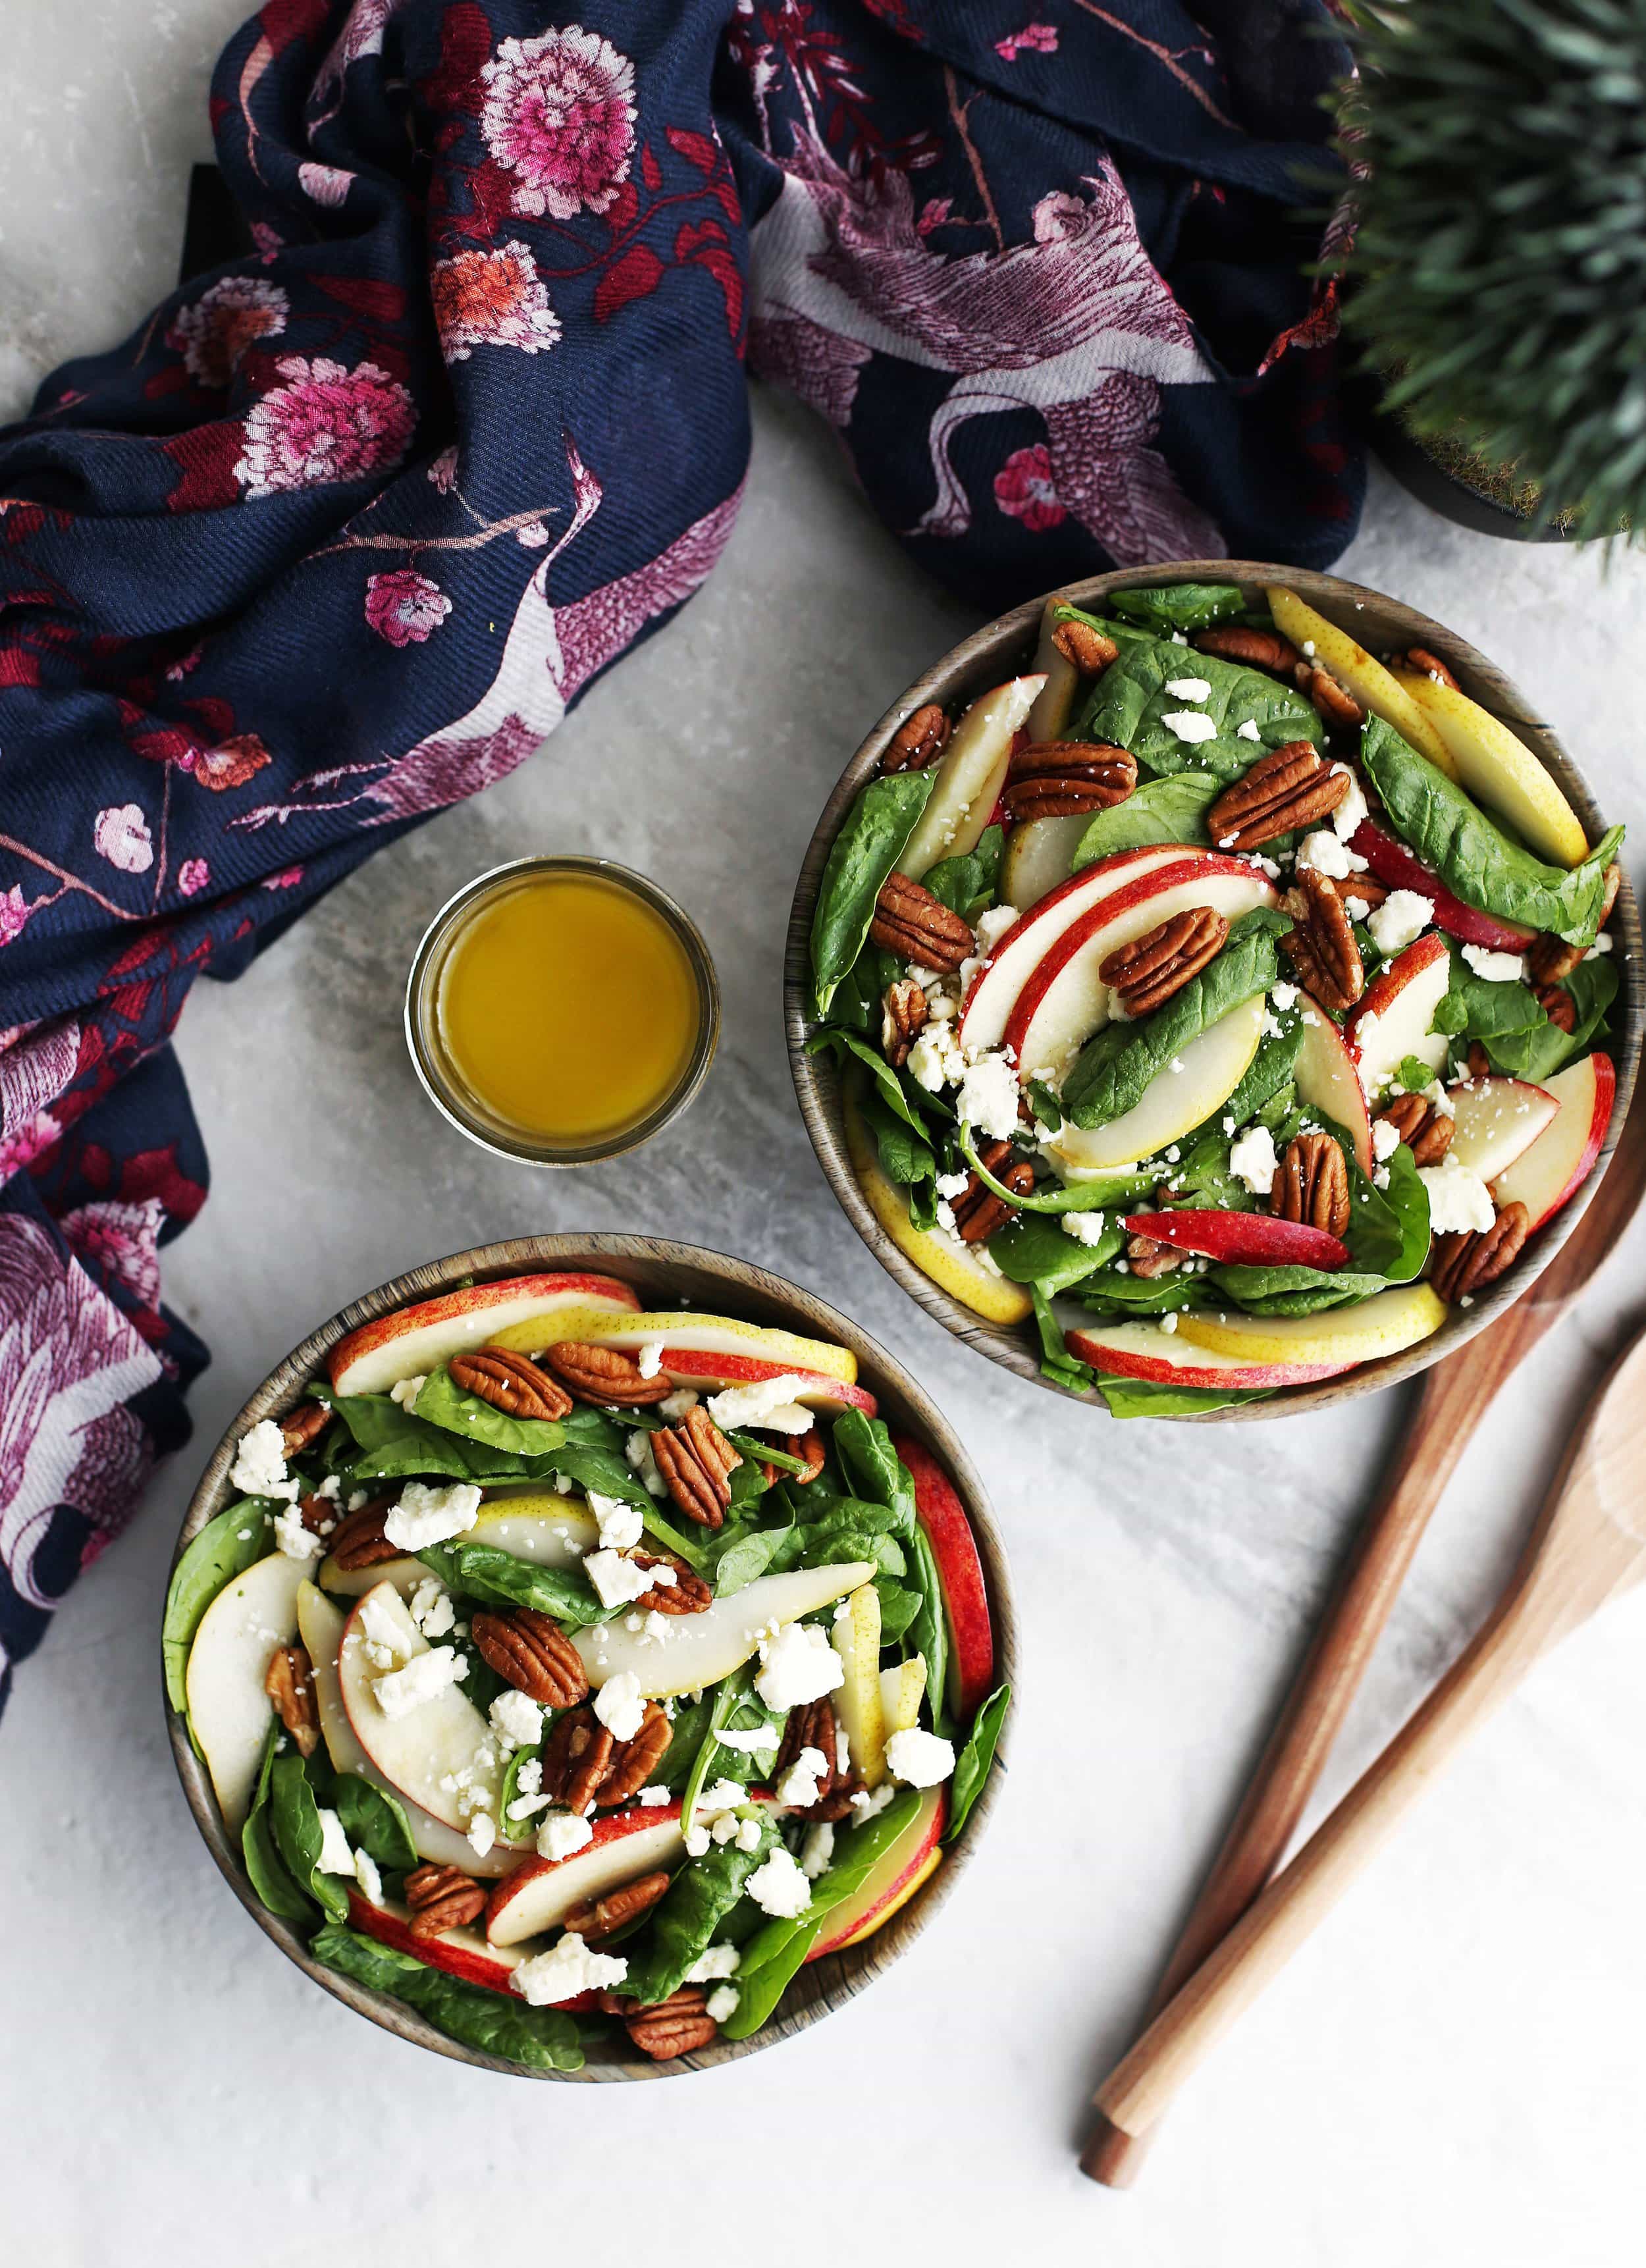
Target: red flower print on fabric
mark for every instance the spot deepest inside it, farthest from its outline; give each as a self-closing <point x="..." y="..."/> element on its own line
<point x="1022" y="487"/>
<point x="491" y="300"/>
<point x="405" y="607"/>
<point x="324" y="423"/>
<point x="559" y="115"/>
<point x="213" y="335"/>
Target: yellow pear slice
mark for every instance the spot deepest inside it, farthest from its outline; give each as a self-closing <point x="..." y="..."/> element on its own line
<point x="1384" y="1324"/>
<point x="855" y="1635"/>
<point x="945" y="1259"/>
<point x="696" y="1651"/>
<point x="1373" y="686"/>
<point x="1205" y="1075"/>
<point x="1061" y="680"/>
<point x="1501" y="770"/>
<point x="970" y="776"/>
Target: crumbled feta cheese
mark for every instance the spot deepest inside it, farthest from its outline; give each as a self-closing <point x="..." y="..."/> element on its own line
<point x="1496" y="968"/>
<point x="935" y="1060"/>
<point x="432" y="1608"/>
<point x="1404" y="915"/>
<point x="294" y="1540"/>
<point x="992" y="925"/>
<point x="422" y="1679"/>
<point x="1248" y="731"/>
<point x="406" y="1390"/>
<point x="563" y="1484"/>
<point x="950" y="1186"/>
<point x="1084" y="1227"/>
<point x="988" y="1097"/>
<point x="1457" y="1197"/>
<point x="769" y="1402"/>
<point x="654" y="1798"/>
<point x="842" y="1748"/>
<point x="800" y="1785"/>
<point x="335" y="1857"/>
<point x="620" y="1704"/>
<point x="780" y="1888"/>
<point x="1328" y="855"/>
<point x="1189" y="723"/>
<point x="617" y="1578"/>
<point x="1385" y="1139"/>
<point x="1189" y="689"/>
<point x="259" y="1467"/>
<point x="367" y="1876"/>
<point x="797" y="1664"/>
<point x="919" y="1759"/>
<point x="621" y="1525"/>
<point x="675" y="1406"/>
<point x="330" y="1488"/>
<point x="1356" y="909"/>
<point x="721" y="2003"/>
<point x="763" y="1740"/>
<point x="426" y="1515"/>
<point x="868" y="1804"/>
<point x="711" y="1968"/>
<point x="1602" y="944"/>
<point x="1351" y="810"/>
<point x="817" y="1851"/>
<point x="1168" y="1324"/>
<point x="483" y="1833"/>
<point x="1252" y="1160"/>
<point x="643" y="1462"/>
<point x="566" y="1970"/>
<point x="561" y="1833"/>
<point x="516" y="1719"/>
<point x="1284" y="996"/>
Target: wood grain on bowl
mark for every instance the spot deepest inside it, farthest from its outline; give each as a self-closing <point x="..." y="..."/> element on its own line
<point x="663" y="1274"/>
<point x="992" y="653"/>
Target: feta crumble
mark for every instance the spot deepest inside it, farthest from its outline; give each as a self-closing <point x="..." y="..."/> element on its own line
<point x="1252" y="1160"/>
<point x="1189" y="723"/>
<point x="797" y="1665"/>
<point x="1458" y="1198"/>
<point x="566" y="1970"/>
<point x="294" y="1540"/>
<point x="1189" y="689"/>
<point x="1496" y="968"/>
<point x="1385" y="1139"/>
<point x="1323" y="852"/>
<point x="800" y="1785"/>
<point x="1284" y="996"/>
<point x="1248" y="731"/>
<point x="367" y="1876"/>
<point x="721" y="2003"/>
<point x="406" y="1390"/>
<point x="259" y="1467"/>
<point x="426" y="1515"/>
<point x="988" y="1097"/>
<point x="935" y="1060"/>
<point x="778" y="1887"/>
<point x="621" y="1525"/>
<point x="649" y="1359"/>
<point x="992" y="927"/>
<point x="483" y="1833"/>
<point x="516" y="1718"/>
<point x="1403" y="915"/>
<point x="561" y="1833"/>
<point x="919" y="1759"/>
<point x="817" y="1851"/>
<point x="769" y="1402"/>
<point x="617" y="1580"/>
<point x="422" y="1680"/>
<point x="619" y="1704"/>
<point x="335" y="1857"/>
<point x="653" y="1799"/>
<point x="714" y="1966"/>
<point x="1351" y="810"/>
<point x="431" y="1608"/>
<point x="1084" y="1227"/>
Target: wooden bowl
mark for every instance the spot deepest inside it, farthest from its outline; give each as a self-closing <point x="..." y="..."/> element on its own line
<point x="664" y="1274"/>
<point x="996" y="653"/>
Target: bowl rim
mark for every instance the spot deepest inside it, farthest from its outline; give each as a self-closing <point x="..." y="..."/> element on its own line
<point x="645" y="1261"/>
<point x="981" y="660"/>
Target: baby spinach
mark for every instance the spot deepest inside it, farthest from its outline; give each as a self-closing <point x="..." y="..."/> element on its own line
<point x="927" y="1633"/>
<point x="976" y="1759"/>
<point x="225" y="1547"/>
<point x="294" y="1815"/>
<point x="1388" y="1231"/>
<point x="863" y="853"/>
<point x="1034" y="1249"/>
<point x="902" y="1098"/>
<point x="1512" y="1025"/>
<point x="898" y="1607"/>
<point x="373" y="1821"/>
<point x="970" y="882"/>
<point x="1180" y="605"/>
<point x="1129" y="704"/>
<point x="873" y="1466"/>
<point x="1293" y="1290"/>
<point x="1044" y="1104"/>
<point x="1108" y="1293"/>
<point x="1055" y="1362"/>
<point x="267" y="1870"/>
<point x="687" y="1734"/>
<point x="395" y="1445"/>
<point x="1170" y="809"/>
<point x="1269" y="1073"/>
<point x="858" y="1003"/>
<point x="500" y="1579"/>
<point x="690" y="1910"/>
<point x="1472" y="856"/>
<point x="733" y="1695"/>
<point x="1143" y="1397"/>
<point x="1115" y="1067"/>
<point x="441" y="1403"/>
<point x="496" y="2023"/>
<point x="906" y="1157"/>
<point x="1079" y="1196"/>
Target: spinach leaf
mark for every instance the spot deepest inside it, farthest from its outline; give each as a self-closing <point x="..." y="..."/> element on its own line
<point x="294" y="1815"/>
<point x="442" y="1403"/>
<point x="1293" y="1290"/>
<point x="1110" y="1293"/>
<point x="863" y="853"/>
<point x="373" y="1821"/>
<point x="1472" y="855"/>
<point x="1139" y="1398"/>
<point x="498" y="1577"/>
<point x="1271" y="1070"/>
<point x="1114" y="1068"/>
<point x="742" y="1554"/>
<point x="1116" y="1190"/>
<point x="1179" y="606"/>
<point x="498" y="2023"/>
<point x="858" y="1004"/>
<point x="1512" y="1025"/>
<point x="268" y="1874"/>
<point x="1414" y="1074"/>
<point x="395" y="1445"/>
<point x="692" y="1908"/>
<point x="1047" y="1109"/>
<point x="969" y="883"/>
<point x="687" y="1735"/>
<point x="225" y="1547"/>
<point x="898" y="1607"/>
<point x="1034" y="1249"/>
<point x="1172" y="809"/>
<point x="1055" y="1362"/>
<point x="905" y="1156"/>
<point x="593" y="1465"/>
<point x="976" y="1759"/>
<point x="927" y="1633"/>
<point x="1129" y="703"/>
<point x="1388" y="1231"/>
<point x="873" y="1468"/>
<point x="734" y="1695"/>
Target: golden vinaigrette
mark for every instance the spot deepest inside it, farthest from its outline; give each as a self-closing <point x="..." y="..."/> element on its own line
<point x="568" y="1008"/>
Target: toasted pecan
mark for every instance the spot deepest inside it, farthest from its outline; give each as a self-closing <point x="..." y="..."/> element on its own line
<point x="1558" y="1005"/>
<point x="810" y="1725"/>
<point x="530" y="1650"/>
<point x="697" y="1463"/>
<point x="576" y="1758"/>
<point x="903" y="1016"/>
<point x="1321" y="945"/>
<point x="633" y="1762"/>
<point x="1147" y="1257"/>
<point x="1466" y="1261"/>
<point x="1291" y="787"/>
<point x="1418" y="661"/>
<point x="1333" y="698"/>
<point x="511" y="1383"/>
<point x="1151" y="968"/>
<point x="360" y="1540"/>
<point x="442" y="1898"/>
<point x="687" y="1594"/>
<point x="1086" y="649"/>
<point x="593" y="1919"/>
<point x="1059" y="779"/>
<point x="288" y="1682"/>
<point x="809" y="1446"/>
<point x="303" y="1425"/>
<point x="919" y="740"/>
<point x="909" y="922"/>
<point x="1256" y="649"/>
<point x="605" y="1374"/>
<point x="1426" y="1131"/>
<point x="676" y="2027"/>
<point x="978" y="1211"/>
<point x="1312" y="1184"/>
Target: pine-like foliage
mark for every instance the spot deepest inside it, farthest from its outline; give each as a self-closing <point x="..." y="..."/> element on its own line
<point x="1500" y="251"/>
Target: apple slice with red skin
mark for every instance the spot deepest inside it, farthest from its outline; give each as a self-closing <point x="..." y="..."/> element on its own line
<point x="540" y="1892"/>
<point x="707" y="1373"/>
<point x="1560" y="1161"/>
<point x="1327" y="1081"/>
<point x="707" y="1352"/>
<point x="891" y="1882"/>
<point x="1391" y="863"/>
<point x="414" y="1339"/>
<point x="1391" y="1019"/>
<point x="971" y="1674"/>
<point x="1243" y="1240"/>
<point x="1495" y="1119"/>
<point x="420" y="1755"/>
<point x="1145" y="1351"/>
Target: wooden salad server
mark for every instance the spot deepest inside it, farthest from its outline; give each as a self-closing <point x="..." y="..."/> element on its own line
<point x="1455" y="1396"/>
<point x="1589" y="1546"/>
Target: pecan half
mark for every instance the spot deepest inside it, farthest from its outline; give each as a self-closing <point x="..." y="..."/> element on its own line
<point x="1469" y="1259"/>
<point x="595" y="1919"/>
<point x="1086" y="649"/>
<point x="1334" y="701"/>
<point x="318" y="1513"/>
<point x="697" y="1463"/>
<point x="810" y="1725"/>
<point x="576" y="1758"/>
<point x="633" y="1762"/>
<point x="1057" y="779"/>
<point x="442" y="1898"/>
<point x="810" y="1446"/>
<point x="598" y="1373"/>
<point x="305" y="1423"/>
<point x="1550" y="959"/>
<point x="1256" y="649"/>
<point x="687" y="1594"/>
<point x="978" y="1211"/>
<point x="1320" y="943"/>
<point x="836" y="1804"/>
<point x="909" y="922"/>
<point x="1417" y="661"/>
<point x="903" y="1013"/>
<point x="1147" y="972"/>
<point x="360" y="1541"/>
<point x="530" y="1651"/>
<point x="289" y="1684"/>
<point x="1558" y="1005"/>
<point x="1148" y="1258"/>
<point x="918" y="741"/>
<point x="510" y="1382"/>
<point x="1291" y="787"/>
<point x="676" y="2027"/>
<point x="1477" y="1062"/>
<point x="1426" y="1131"/>
<point x="1361" y="887"/>
<point x="1312" y="1184"/>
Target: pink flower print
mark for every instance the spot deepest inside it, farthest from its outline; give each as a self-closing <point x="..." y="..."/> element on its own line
<point x="559" y="115"/>
<point x="326" y="185"/>
<point x="14" y="912"/>
<point x="120" y="834"/>
<point x="21" y="1147"/>
<point x="213" y="335"/>
<point x="1023" y="487"/>
<point x="287" y="879"/>
<point x="119" y="1239"/>
<point x="192" y="876"/>
<point x="405" y="607"/>
<point x="324" y="423"/>
<point x="443" y="471"/>
<point x="269" y="242"/>
<point x="1037" y="39"/>
<point x="491" y="300"/>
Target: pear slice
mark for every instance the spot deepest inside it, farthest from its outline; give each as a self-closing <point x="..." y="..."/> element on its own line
<point x="443" y="1755"/>
<point x="1499" y="769"/>
<point x="228" y="1709"/>
<point x="855" y="1635"/>
<point x="969" y="774"/>
<point x="902" y="1691"/>
<point x="698" y="1650"/>
<point x="1373" y="686"/>
<point x="1209" y="1070"/>
<point x="945" y="1259"/>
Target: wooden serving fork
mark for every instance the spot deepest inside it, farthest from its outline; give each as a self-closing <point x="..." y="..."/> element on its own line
<point x="1589" y="1545"/>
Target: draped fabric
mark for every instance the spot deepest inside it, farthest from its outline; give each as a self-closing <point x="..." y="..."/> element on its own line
<point x="343" y="528"/>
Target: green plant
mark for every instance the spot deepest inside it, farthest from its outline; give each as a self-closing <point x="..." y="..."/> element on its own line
<point x="1499" y="262"/>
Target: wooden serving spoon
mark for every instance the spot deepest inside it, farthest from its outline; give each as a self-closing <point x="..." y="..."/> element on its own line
<point x="1589" y="1545"/>
<point x="1456" y="1395"/>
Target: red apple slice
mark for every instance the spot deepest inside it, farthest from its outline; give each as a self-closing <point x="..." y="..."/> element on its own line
<point x="1391" y="1019"/>
<point x="1494" y="1119"/>
<point x="708" y="1351"/>
<point x="539" y="1894"/>
<point x="460" y="1952"/>
<point x="438" y="1753"/>
<point x="1243" y="1240"/>
<point x="1063" y="1000"/>
<point x="380" y="1354"/>
<point x="970" y="776"/>
<point x="1400" y="869"/>
<point x="1145" y="1351"/>
<point x="970" y="1675"/>
<point x="1559" y="1162"/>
<point x="1327" y="1081"/>
<point x="891" y="1882"/>
<point x="993" y="995"/>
